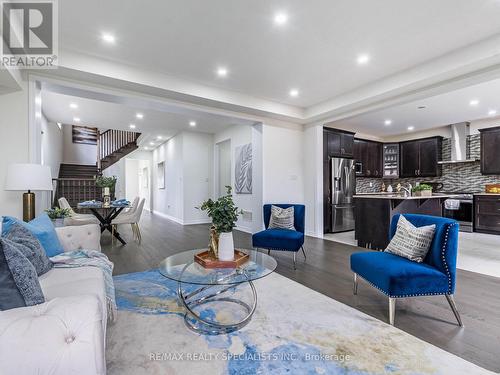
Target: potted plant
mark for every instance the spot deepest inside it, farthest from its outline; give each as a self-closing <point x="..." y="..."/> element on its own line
<point x="224" y="215"/>
<point x="107" y="182"/>
<point x="57" y="215"/>
<point x="422" y="190"/>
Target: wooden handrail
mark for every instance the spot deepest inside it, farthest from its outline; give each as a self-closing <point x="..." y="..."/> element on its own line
<point x="113" y="140"/>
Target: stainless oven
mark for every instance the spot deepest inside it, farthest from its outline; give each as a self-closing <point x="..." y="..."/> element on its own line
<point x="464" y="214"/>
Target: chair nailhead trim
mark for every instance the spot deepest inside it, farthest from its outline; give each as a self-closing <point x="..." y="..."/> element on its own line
<point x="443" y="258"/>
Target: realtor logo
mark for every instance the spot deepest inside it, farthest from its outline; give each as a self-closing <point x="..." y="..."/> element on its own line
<point x="29" y="34"/>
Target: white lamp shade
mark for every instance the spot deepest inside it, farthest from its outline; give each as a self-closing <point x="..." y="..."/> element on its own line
<point x="23" y="177"/>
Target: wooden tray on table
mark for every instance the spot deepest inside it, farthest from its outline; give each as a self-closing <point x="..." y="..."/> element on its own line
<point x="207" y="260"/>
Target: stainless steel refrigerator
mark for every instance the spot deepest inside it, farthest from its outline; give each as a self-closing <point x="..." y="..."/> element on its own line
<point x="343" y="187"/>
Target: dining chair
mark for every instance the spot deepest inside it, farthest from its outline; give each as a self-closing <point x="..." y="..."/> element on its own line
<point x="133" y="219"/>
<point x="75" y="218"/>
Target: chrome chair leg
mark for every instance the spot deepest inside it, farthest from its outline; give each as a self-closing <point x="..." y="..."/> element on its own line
<point x="355" y="286"/>
<point x="294" y="260"/>
<point x="392" y="310"/>
<point x="451" y="301"/>
<point x="303" y="252"/>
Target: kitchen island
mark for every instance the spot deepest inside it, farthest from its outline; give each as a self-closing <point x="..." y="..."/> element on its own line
<point x="373" y="214"/>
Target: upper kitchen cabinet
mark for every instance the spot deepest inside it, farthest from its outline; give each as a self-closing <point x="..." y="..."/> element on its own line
<point x="419" y="158"/>
<point x="369" y="155"/>
<point x="339" y="143"/>
<point x="490" y="151"/>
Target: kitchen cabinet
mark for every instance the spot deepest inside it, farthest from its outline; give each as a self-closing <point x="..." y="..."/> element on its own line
<point x="487" y="214"/>
<point x="339" y="143"/>
<point x="419" y="158"/>
<point x="369" y="154"/>
<point x="490" y="150"/>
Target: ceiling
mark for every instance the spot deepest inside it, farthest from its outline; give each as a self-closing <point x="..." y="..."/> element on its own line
<point x="164" y="122"/>
<point x="314" y="52"/>
<point x="445" y="109"/>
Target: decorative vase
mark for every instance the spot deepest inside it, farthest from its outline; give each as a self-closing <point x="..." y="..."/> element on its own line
<point x="213" y="245"/>
<point x="58" y="222"/>
<point x="226" y="246"/>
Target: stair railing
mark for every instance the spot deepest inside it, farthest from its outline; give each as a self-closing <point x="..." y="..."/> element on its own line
<point x="111" y="141"/>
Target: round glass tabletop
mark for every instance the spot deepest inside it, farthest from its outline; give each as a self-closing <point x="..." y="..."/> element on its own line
<point x="182" y="267"/>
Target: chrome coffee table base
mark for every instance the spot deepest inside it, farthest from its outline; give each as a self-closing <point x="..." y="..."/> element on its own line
<point x="215" y="294"/>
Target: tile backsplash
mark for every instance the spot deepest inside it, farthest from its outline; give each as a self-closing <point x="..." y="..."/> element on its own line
<point x="460" y="177"/>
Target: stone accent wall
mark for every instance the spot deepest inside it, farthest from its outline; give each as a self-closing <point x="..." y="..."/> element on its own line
<point x="459" y="177"/>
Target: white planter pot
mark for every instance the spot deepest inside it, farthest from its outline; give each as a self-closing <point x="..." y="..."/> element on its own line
<point x="226" y="246"/>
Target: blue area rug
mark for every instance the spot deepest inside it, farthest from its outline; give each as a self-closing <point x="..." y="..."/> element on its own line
<point x="295" y="330"/>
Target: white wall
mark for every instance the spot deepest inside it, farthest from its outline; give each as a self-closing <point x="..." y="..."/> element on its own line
<point x="52" y="146"/>
<point x="77" y="153"/>
<point x="14" y="145"/>
<point x="283" y="155"/>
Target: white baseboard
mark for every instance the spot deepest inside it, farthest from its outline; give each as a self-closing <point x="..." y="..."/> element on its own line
<point x="198" y="221"/>
<point x="314" y="234"/>
<point x="168" y="217"/>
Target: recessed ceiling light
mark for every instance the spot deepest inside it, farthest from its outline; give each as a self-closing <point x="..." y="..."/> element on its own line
<point x="492" y="112"/>
<point x="76" y="119"/>
<point x="146" y="148"/>
<point x="363" y="59"/>
<point x="280" y="18"/>
<point x="474" y="102"/>
<point x="192" y="123"/>
<point x="140" y="116"/>
<point x="410" y="128"/>
<point x="108" y="38"/>
<point x="159" y="138"/>
<point x="294" y="93"/>
<point x="387" y="122"/>
<point x="38" y="100"/>
<point x="73" y="106"/>
<point x="152" y="143"/>
<point x="132" y="126"/>
<point x="222" y="72"/>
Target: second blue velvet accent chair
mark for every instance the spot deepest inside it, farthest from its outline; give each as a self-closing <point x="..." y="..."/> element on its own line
<point x="283" y="239"/>
<point x="398" y="277"/>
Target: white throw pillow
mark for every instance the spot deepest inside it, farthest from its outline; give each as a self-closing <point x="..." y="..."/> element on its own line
<point x="411" y="242"/>
<point x="282" y="218"/>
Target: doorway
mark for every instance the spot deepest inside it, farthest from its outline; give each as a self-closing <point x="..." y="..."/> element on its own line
<point x="223" y="165"/>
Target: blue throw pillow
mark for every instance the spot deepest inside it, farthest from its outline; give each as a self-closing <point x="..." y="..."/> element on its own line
<point x="19" y="285"/>
<point x="42" y="228"/>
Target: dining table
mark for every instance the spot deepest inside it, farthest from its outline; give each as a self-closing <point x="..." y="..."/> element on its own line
<point x="106" y="214"/>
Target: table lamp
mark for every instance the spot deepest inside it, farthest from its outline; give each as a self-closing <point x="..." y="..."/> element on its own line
<point x="28" y="177"/>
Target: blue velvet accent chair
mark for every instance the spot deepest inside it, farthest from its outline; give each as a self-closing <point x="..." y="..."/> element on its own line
<point x="398" y="277"/>
<point x="282" y="239"/>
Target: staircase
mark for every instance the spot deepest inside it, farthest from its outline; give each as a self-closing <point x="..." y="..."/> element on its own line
<point x="76" y="183"/>
<point x="112" y="145"/>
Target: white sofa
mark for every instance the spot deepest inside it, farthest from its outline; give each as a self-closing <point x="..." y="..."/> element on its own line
<point x="66" y="334"/>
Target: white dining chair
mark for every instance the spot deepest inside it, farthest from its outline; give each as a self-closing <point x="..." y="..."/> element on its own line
<point x="132" y="219"/>
<point x="75" y="218"/>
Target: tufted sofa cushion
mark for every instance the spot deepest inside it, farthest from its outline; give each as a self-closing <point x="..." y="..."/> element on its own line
<point x="80" y="237"/>
<point x="62" y="336"/>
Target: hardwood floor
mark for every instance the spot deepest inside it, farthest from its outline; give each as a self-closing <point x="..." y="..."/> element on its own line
<point x="327" y="271"/>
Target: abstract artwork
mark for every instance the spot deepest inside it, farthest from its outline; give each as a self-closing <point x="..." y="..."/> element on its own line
<point x="161" y="175"/>
<point x="243" y="169"/>
<point x="85" y="135"/>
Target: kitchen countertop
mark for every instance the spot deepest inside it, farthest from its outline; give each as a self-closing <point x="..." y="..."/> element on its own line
<point x="488" y="194"/>
<point x="401" y="197"/>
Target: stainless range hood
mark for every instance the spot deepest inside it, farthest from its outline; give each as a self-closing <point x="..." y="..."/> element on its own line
<point x="459" y="144"/>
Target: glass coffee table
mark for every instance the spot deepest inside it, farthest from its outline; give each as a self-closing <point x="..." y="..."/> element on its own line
<point x="199" y="289"/>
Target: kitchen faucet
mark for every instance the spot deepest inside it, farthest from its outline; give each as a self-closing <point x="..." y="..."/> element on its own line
<point x="407" y="190"/>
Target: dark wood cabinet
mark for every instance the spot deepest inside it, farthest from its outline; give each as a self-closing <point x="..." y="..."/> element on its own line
<point x="419" y="158"/>
<point x="369" y="154"/>
<point x="339" y="143"/>
<point x="487" y="214"/>
<point x="490" y="150"/>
